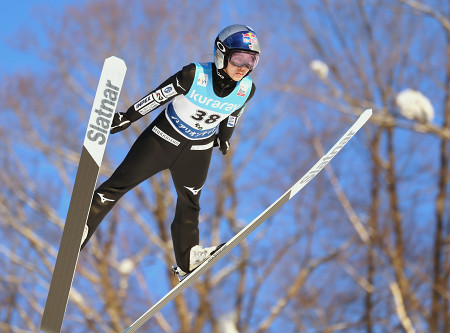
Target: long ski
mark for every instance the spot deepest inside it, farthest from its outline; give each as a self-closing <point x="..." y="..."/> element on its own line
<point x="105" y="102"/>
<point x="237" y="239"/>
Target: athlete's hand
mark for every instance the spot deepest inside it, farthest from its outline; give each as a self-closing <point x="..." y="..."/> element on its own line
<point x="120" y="122"/>
<point x="224" y="145"/>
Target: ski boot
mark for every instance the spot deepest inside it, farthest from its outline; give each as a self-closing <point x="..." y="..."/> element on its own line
<point x="198" y="255"/>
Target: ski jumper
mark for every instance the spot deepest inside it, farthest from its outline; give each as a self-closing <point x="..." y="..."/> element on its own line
<point x="204" y="101"/>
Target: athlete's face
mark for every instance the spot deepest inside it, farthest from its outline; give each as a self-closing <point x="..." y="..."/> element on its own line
<point x="236" y="73"/>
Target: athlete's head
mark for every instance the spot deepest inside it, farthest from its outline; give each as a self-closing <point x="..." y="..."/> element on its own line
<point x="236" y="51"/>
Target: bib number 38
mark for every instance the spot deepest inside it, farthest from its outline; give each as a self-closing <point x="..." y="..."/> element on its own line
<point x="201" y="115"/>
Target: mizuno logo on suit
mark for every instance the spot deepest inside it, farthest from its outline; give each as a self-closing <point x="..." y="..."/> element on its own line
<point x="193" y="190"/>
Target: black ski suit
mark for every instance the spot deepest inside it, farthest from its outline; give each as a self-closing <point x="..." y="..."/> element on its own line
<point x="179" y="139"/>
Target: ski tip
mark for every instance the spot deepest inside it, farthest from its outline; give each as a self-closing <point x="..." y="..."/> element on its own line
<point x="116" y="61"/>
<point x="366" y="114"/>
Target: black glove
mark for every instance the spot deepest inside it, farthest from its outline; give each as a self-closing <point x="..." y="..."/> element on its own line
<point x="120" y="122"/>
<point x="224" y="145"/>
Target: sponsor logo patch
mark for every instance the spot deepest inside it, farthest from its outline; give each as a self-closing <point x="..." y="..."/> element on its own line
<point x="143" y="102"/>
<point x="202" y="79"/>
<point x="243" y="88"/>
<point x="231" y="121"/>
<point x="166" y="137"/>
<point x="169" y="91"/>
<point x="158" y="96"/>
<point x="153" y="105"/>
<point x="249" y="38"/>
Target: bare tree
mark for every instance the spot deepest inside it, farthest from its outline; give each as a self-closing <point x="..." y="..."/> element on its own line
<point x="354" y="252"/>
<point x="354" y="70"/>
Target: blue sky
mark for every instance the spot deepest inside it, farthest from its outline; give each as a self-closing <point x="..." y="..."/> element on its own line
<point x="416" y="182"/>
<point x="13" y="16"/>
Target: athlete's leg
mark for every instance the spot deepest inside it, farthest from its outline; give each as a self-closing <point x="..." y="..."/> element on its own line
<point x="145" y="158"/>
<point x="189" y="175"/>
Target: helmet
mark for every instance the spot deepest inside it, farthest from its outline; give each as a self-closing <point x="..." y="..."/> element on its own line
<point x="234" y="37"/>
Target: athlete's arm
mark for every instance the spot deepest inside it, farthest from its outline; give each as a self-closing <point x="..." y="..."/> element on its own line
<point x="177" y="84"/>
<point x="226" y="126"/>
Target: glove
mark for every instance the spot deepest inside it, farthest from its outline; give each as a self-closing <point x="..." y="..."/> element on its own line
<point x="120" y="122"/>
<point x="224" y="145"/>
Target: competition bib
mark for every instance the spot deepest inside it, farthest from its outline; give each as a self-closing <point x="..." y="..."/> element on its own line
<point x="197" y="114"/>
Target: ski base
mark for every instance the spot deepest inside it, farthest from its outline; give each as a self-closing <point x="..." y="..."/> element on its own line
<point x="105" y="102"/>
<point x="247" y="230"/>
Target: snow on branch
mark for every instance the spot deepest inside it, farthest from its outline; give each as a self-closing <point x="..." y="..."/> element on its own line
<point x="415" y="106"/>
<point x="319" y="68"/>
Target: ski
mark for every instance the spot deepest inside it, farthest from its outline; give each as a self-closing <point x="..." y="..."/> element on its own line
<point x="247" y="230"/>
<point x="103" y="109"/>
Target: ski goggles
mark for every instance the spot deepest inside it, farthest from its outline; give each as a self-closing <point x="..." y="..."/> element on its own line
<point x="242" y="58"/>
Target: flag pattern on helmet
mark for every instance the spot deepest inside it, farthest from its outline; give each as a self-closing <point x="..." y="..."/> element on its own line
<point x="250" y="39"/>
